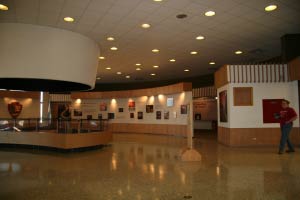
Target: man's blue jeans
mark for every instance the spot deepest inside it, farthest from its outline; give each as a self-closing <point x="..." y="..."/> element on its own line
<point x="285" y="132"/>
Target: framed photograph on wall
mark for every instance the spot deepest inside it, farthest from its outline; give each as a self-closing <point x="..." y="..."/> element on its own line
<point x="121" y="110"/>
<point x="131" y="115"/>
<point x="271" y="110"/>
<point x="166" y="114"/>
<point x="223" y="106"/>
<point x="77" y="113"/>
<point x="103" y="106"/>
<point x="131" y="105"/>
<point x="158" y="114"/>
<point x="174" y="114"/>
<point x="89" y="117"/>
<point x="183" y="109"/>
<point x="140" y="115"/>
<point x="170" y="102"/>
<point x="197" y="116"/>
<point x="149" y="108"/>
<point x="110" y="115"/>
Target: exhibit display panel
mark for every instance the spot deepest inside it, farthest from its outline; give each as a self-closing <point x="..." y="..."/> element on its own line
<point x="250" y="124"/>
<point x="152" y="112"/>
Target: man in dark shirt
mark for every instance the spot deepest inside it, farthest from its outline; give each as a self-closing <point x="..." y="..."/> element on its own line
<point x="287" y="116"/>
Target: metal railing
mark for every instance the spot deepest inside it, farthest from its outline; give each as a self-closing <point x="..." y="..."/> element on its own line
<point x="53" y="125"/>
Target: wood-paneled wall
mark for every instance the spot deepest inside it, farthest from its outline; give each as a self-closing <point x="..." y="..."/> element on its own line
<point x="161" y="129"/>
<point x="61" y="141"/>
<point x="221" y="77"/>
<point x="258" y="73"/>
<point x="210" y="91"/>
<point x="12" y="94"/>
<point x="294" y="69"/>
<point x="170" y="89"/>
<point x="254" y="136"/>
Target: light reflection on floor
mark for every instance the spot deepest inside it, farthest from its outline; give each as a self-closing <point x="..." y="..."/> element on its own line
<point x="149" y="167"/>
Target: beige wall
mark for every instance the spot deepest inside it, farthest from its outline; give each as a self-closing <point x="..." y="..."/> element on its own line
<point x="31" y="106"/>
<point x="91" y="107"/>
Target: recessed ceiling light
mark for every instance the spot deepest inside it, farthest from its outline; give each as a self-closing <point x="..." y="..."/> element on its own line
<point x="138" y="69"/>
<point x="270" y="8"/>
<point x="152" y="74"/>
<point x="172" y="60"/>
<point x="110" y="39"/>
<point x="146" y="25"/>
<point x="108" y="68"/>
<point x="186" y="70"/>
<point x="119" y="73"/>
<point x="3" y="7"/>
<point x="138" y="64"/>
<point x="212" y="63"/>
<point x="155" y="66"/>
<point x="194" y="52"/>
<point x="69" y="19"/>
<point x="114" y="48"/>
<point x="101" y="57"/>
<point x="127" y="76"/>
<point x="155" y="50"/>
<point x="157" y="0"/>
<point x="98" y="78"/>
<point x="210" y="13"/>
<point x="200" y="37"/>
<point x="238" y="52"/>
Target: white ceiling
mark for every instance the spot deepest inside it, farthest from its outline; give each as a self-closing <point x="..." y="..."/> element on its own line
<point x="237" y="25"/>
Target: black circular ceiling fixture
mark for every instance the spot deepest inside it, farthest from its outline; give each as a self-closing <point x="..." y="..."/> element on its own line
<point x="181" y="16"/>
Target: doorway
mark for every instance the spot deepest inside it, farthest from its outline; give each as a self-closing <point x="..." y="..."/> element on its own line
<point x="205" y="117"/>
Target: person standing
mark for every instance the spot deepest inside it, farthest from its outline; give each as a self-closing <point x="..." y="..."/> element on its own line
<point x="286" y="116"/>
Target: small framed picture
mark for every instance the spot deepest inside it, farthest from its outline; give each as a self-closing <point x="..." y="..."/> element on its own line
<point x="166" y="115"/>
<point x="77" y="113"/>
<point x="158" y="114"/>
<point x="131" y="115"/>
<point x="111" y="115"/>
<point x="103" y="106"/>
<point x="149" y="108"/>
<point x="170" y="102"/>
<point x="197" y="116"/>
<point x="121" y="110"/>
<point x="183" y="109"/>
<point x="140" y="115"/>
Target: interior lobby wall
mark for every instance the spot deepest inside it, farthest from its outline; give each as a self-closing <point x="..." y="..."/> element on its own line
<point x="31" y="107"/>
<point x="245" y="123"/>
<point x="92" y="107"/>
<point x="252" y="116"/>
<point x="171" y="122"/>
<point x="31" y="104"/>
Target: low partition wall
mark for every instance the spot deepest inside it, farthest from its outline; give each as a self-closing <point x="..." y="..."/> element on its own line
<point x="165" y="129"/>
<point x="254" y="136"/>
<point x="163" y="110"/>
<point x="54" y="140"/>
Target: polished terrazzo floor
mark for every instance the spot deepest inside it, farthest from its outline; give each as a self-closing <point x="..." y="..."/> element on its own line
<point x="149" y="167"/>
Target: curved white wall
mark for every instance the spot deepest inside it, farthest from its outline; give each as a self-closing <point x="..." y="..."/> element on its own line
<point x="31" y="51"/>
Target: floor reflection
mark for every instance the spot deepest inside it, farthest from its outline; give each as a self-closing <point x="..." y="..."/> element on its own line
<point x="148" y="167"/>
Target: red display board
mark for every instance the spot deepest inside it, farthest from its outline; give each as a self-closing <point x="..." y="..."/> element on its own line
<point x="270" y="108"/>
